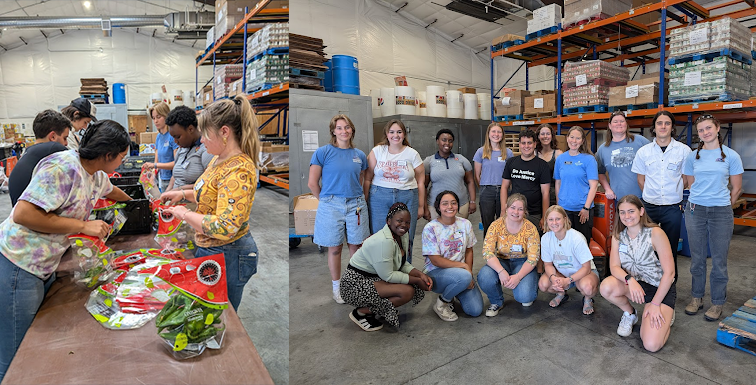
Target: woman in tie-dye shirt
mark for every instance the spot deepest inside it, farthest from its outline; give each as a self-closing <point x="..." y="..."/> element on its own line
<point x="225" y="191"/>
<point x="57" y="203"/>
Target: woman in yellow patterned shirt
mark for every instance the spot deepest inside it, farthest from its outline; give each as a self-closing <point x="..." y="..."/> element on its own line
<point x="225" y="191"/>
<point x="511" y="250"/>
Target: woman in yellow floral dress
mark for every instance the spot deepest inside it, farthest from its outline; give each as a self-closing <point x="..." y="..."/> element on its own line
<point x="225" y="191"/>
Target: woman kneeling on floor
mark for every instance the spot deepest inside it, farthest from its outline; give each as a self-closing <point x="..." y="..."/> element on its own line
<point x="447" y="247"/>
<point x="379" y="279"/>
<point x="511" y="250"/>
<point x="567" y="260"/>
<point x="643" y="271"/>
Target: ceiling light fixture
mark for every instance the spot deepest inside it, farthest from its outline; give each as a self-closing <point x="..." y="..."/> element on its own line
<point x="87" y="4"/>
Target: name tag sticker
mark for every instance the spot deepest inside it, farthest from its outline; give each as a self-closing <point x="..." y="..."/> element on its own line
<point x="458" y="234"/>
<point x="673" y="166"/>
<point x="516" y="248"/>
<point x="357" y="159"/>
<point x="622" y="248"/>
<point x="501" y="160"/>
<point x="401" y="163"/>
<point x="568" y="162"/>
<point x="199" y="185"/>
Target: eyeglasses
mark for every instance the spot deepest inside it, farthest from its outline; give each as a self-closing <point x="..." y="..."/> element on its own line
<point x="618" y="112"/>
<point x="705" y="117"/>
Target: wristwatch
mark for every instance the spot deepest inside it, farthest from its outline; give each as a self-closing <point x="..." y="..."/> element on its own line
<point x="627" y="278"/>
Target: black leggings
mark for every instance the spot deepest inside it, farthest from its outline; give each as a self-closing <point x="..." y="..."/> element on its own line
<point x="583" y="228"/>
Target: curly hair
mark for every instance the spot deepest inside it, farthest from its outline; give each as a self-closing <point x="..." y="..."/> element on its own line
<point x="183" y="116"/>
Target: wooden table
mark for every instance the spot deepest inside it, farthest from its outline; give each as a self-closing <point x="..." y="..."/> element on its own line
<point x="66" y="345"/>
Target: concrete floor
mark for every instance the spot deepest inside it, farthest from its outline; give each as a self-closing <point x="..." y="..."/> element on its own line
<point x="264" y="309"/>
<point x="521" y="345"/>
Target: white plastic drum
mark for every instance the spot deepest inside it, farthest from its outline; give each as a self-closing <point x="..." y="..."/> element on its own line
<point x="177" y="98"/>
<point x="471" y="106"/>
<point x="405" y="100"/>
<point x="387" y="102"/>
<point x="189" y="99"/>
<point x="422" y="107"/>
<point x="454" y="104"/>
<point x="375" y="95"/>
<point x="436" y="101"/>
<point x="155" y="98"/>
<point x="484" y="106"/>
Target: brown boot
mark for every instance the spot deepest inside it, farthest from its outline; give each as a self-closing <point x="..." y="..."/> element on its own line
<point x="714" y="312"/>
<point x="694" y="306"/>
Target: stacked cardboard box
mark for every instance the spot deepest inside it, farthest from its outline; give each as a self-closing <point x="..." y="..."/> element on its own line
<point x="710" y="36"/>
<point x="466" y="90"/>
<point x="540" y="102"/>
<point x="207" y="95"/>
<point x="576" y="11"/>
<point x="511" y="102"/>
<point x="224" y="76"/>
<point x="588" y="83"/>
<point x="210" y="38"/>
<point x="545" y="17"/>
<point x="636" y="92"/>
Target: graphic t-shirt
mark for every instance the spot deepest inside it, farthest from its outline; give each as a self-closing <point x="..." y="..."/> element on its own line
<point x="616" y="160"/>
<point x="526" y="178"/>
<point x="567" y="255"/>
<point x="450" y="242"/>
<point x="395" y="170"/>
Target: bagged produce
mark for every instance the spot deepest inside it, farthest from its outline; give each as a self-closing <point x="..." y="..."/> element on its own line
<point x="173" y="233"/>
<point x="94" y="260"/>
<point x="147" y="180"/>
<point x="110" y="212"/>
<point x="192" y="320"/>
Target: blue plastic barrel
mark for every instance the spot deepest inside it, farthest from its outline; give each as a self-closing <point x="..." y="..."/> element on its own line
<point x="346" y="74"/>
<point x="119" y="93"/>
<point x="328" y="80"/>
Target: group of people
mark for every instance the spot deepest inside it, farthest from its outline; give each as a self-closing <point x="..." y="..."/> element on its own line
<point x="55" y="189"/>
<point x="537" y="214"/>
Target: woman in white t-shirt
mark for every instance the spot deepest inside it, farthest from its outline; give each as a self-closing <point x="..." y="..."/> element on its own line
<point x="568" y="261"/>
<point x="395" y="173"/>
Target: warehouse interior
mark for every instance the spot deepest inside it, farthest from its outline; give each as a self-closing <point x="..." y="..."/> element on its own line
<point x="425" y="44"/>
<point x="153" y="51"/>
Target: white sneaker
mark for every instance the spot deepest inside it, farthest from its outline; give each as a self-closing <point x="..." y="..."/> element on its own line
<point x="527" y="304"/>
<point x="444" y="310"/>
<point x="673" y="319"/>
<point x="337" y="297"/>
<point x="493" y="310"/>
<point x="626" y="324"/>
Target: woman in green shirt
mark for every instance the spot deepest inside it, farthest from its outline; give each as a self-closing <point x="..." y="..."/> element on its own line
<point x="379" y="279"/>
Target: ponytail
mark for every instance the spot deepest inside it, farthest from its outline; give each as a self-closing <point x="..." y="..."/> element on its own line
<point x="236" y="114"/>
<point x="249" y="139"/>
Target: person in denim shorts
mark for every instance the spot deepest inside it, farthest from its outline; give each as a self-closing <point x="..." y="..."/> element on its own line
<point x="342" y="211"/>
<point x="395" y="173"/>
<point x="708" y="215"/>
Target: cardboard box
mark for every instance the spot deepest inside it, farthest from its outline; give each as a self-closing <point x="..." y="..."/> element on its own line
<point x="147" y="149"/>
<point x="228" y="13"/>
<point x="305" y="207"/>
<point x="511" y="102"/>
<point x="207" y="98"/>
<point x="507" y="37"/>
<point x="400" y="81"/>
<point x="235" y="88"/>
<point x="466" y="90"/>
<point x="147" y="137"/>
<point x="647" y="92"/>
<point x="540" y="101"/>
<point x="276" y="126"/>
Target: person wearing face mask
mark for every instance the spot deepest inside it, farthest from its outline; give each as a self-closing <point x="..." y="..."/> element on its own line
<point x="165" y="146"/>
<point x="192" y="157"/>
<point x="51" y="130"/>
<point x="660" y="176"/>
<point x="615" y="158"/>
<point x="449" y="171"/>
<point x="80" y="112"/>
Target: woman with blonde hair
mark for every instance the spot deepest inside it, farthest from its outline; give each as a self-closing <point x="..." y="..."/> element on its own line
<point x="395" y="173"/>
<point x="568" y="261"/>
<point x="165" y="146"/>
<point x="511" y="250"/>
<point x="489" y="167"/>
<point x="643" y="272"/>
<point x="342" y="211"/>
<point x="576" y="175"/>
<point x="224" y="193"/>
<point x="546" y="149"/>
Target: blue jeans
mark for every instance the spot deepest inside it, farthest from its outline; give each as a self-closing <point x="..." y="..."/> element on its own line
<point x="241" y="264"/>
<point x="23" y="293"/>
<point x="454" y="282"/>
<point x="490" y="205"/>
<point x="669" y="219"/>
<point x="526" y="291"/>
<point x="380" y="200"/>
<point x="715" y="225"/>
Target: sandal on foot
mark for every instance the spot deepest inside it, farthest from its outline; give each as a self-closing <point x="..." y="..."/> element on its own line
<point x="587" y="306"/>
<point x="557" y="301"/>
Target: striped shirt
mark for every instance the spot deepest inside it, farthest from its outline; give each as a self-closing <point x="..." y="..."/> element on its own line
<point x="190" y="164"/>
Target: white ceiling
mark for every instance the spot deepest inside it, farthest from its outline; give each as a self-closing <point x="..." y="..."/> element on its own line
<point x="477" y="33"/>
<point x="11" y="38"/>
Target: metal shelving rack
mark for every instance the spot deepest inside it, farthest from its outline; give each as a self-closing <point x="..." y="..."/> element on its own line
<point x="624" y="34"/>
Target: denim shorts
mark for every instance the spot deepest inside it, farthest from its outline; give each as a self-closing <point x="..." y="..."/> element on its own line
<point x="594" y="271"/>
<point x="340" y="217"/>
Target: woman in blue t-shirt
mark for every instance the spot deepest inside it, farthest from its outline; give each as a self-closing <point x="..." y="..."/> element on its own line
<point x="342" y="211"/>
<point x="576" y="175"/>
<point x="489" y="167"/>
<point x="708" y="214"/>
<point x="165" y="146"/>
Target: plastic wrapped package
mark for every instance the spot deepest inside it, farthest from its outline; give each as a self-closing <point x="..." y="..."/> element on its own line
<point x="273" y="35"/>
<point x="722" y="78"/>
<point x="192" y="320"/>
<point x="110" y="212"/>
<point x="173" y="233"/>
<point x="269" y="69"/>
<point x="586" y="96"/>
<point x="274" y="159"/>
<point x="147" y="180"/>
<point x="594" y="72"/>
<point x="224" y="76"/>
<point x="94" y="260"/>
<point x="586" y="10"/>
<point x="710" y="36"/>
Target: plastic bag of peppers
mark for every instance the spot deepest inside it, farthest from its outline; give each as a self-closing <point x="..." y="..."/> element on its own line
<point x="192" y="319"/>
<point x="173" y="233"/>
<point x="94" y="260"/>
<point x="110" y="212"/>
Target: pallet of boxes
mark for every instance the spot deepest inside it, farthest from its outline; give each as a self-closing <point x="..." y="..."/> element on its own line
<point x="540" y="104"/>
<point x="586" y="85"/>
<point x="637" y="94"/>
<point x="709" y="62"/>
<point x="94" y="89"/>
<point x="206" y="96"/>
<point x="274" y="158"/>
<point x="224" y="77"/>
<point x="544" y="22"/>
<point x="579" y="12"/>
<point x="510" y="105"/>
<point x="147" y="143"/>
<point x="268" y="57"/>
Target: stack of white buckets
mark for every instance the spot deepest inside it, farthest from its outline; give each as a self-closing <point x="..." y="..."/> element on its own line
<point x="434" y="101"/>
<point x="175" y="99"/>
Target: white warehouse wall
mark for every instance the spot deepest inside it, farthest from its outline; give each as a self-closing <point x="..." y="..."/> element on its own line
<point x="387" y="44"/>
<point x="46" y="74"/>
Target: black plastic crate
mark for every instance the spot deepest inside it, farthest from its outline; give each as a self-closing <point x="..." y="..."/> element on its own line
<point x="125" y="180"/>
<point x="134" y="163"/>
<point x="137" y="211"/>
